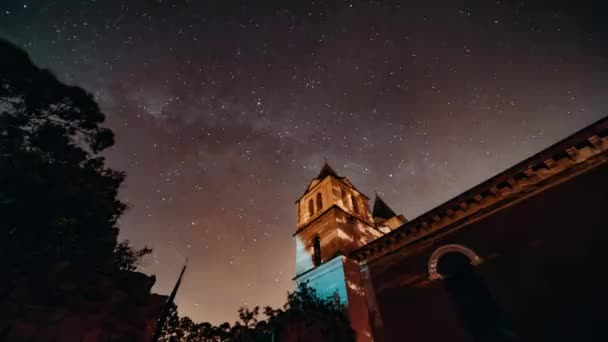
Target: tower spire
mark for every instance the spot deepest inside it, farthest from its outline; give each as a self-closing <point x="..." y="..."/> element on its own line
<point x="326" y="171"/>
<point x="381" y="209"/>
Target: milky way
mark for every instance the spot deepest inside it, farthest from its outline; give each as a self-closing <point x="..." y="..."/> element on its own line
<point x="223" y="113"/>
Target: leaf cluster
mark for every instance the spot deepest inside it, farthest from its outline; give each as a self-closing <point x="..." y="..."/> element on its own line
<point x="305" y="313"/>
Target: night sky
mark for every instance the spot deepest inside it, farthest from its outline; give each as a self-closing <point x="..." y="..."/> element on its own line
<point x="224" y="110"/>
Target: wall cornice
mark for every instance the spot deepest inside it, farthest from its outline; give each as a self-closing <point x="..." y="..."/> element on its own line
<point x="560" y="162"/>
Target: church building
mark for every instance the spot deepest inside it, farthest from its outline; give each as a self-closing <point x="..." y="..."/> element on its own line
<point x="518" y="257"/>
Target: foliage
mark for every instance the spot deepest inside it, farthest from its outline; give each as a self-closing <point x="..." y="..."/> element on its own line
<point x="58" y="200"/>
<point x="303" y="305"/>
<point x="126" y="257"/>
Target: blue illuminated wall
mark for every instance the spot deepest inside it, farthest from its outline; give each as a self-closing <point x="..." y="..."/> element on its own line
<point x="327" y="279"/>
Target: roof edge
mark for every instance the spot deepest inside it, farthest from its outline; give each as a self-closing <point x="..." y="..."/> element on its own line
<point x="535" y="169"/>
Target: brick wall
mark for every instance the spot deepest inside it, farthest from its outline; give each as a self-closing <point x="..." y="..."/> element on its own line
<point x="543" y="261"/>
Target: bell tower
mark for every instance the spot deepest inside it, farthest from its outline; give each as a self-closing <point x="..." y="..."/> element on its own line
<point x="333" y="220"/>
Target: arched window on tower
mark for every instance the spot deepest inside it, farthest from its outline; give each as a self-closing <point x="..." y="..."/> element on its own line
<point x="344" y="197"/>
<point x="316" y="248"/>
<point x="353" y="202"/>
<point x="480" y="314"/>
<point x="311" y="207"/>
<point x="319" y="201"/>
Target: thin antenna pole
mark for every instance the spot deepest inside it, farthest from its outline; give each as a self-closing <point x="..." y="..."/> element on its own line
<point x="163" y="317"/>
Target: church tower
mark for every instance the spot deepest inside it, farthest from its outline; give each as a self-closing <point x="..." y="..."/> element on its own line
<point x="333" y="220"/>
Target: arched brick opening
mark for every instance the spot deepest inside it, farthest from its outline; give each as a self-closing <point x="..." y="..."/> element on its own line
<point x="480" y="314"/>
<point x="454" y="248"/>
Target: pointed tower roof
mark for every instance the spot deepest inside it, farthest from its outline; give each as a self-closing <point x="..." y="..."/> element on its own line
<point x="381" y="209"/>
<point x="326" y="171"/>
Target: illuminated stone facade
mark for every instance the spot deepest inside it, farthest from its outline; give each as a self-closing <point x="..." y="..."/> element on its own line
<point x="515" y="258"/>
<point x="333" y="221"/>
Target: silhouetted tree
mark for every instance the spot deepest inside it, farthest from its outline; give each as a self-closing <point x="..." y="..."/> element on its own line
<point x="309" y="317"/>
<point x="58" y="200"/>
<point x="304" y="317"/>
<point x="249" y="318"/>
<point x="171" y="330"/>
<point x="126" y="257"/>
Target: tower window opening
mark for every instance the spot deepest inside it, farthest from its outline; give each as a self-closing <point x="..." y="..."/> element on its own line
<point x="311" y="207"/>
<point x="316" y="247"/>
<point x="353" y="201"/>
<point x="319" y="201"/>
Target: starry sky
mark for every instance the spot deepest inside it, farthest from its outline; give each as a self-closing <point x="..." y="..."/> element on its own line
<point x="224" y="110"/>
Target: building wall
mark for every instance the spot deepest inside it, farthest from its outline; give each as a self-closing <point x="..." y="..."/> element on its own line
<point x="328" y="280"/>
<point x="340" y="277"/>
<point x="543" y="263"/>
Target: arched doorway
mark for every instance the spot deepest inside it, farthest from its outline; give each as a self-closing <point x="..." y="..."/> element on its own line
<point x="455" y="266"/>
